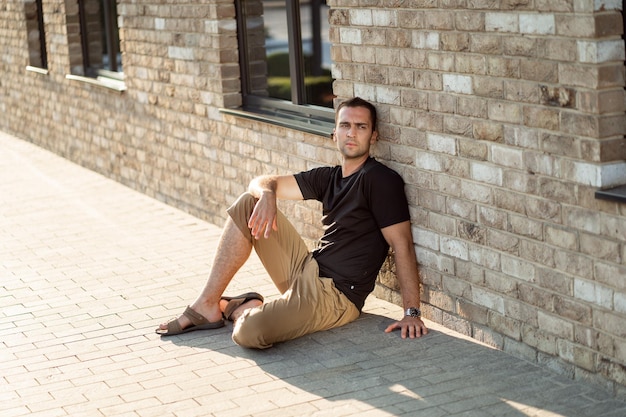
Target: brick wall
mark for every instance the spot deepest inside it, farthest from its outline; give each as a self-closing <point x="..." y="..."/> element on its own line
<point x="503" y="117"/>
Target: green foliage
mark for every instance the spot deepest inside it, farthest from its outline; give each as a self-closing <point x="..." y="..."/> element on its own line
<point x="319" y="89"/>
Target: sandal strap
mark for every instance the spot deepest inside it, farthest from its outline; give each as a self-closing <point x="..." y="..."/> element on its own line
<point x="195" y="318"/>
<point x="174" y="327"/>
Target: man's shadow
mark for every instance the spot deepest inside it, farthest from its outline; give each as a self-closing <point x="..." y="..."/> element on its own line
<point x="436" y="375"/>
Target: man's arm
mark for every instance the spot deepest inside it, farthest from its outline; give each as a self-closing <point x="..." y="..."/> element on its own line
<point x="284" y="187"/>
<point x="267" y="189"/>
<point x="401" y="241"/>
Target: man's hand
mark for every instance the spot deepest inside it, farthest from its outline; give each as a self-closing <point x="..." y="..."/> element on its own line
<point x="263" y="219"/>
<point x="411" y="327"/>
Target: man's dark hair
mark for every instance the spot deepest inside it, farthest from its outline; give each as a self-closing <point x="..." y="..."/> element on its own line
<point x="359" y="102"/>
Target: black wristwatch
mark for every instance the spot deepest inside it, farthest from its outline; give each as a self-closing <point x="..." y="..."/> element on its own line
<point x="413" y="312"/>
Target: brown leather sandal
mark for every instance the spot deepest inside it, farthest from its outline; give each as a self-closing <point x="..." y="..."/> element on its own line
<point x="198" y="322"/>
<point x="235" y="302"/>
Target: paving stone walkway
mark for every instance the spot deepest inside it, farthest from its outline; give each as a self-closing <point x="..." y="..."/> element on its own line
<point x="88" y="268"/>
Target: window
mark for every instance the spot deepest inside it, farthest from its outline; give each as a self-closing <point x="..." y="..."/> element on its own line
<point x="285" y="59"/>
<point x="37" y="56"/>
<point x="100" y="38"/>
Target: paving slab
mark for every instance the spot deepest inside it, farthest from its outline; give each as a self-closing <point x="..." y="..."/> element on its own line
<point x="89" y="267"/>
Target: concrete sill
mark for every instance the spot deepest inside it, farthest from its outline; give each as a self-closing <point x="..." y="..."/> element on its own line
<point x="37" y="70"/>
<point x="105" y="82"/>
<point x="309" y="125"/>
<point x="613" y="194"/>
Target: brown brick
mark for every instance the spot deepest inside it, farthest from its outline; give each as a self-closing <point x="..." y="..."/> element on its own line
<point x="486" y="44"/>
<point x="580" y="124"/>
<point x="611" y="125"/>
<point x="573" y="263"/>
<point x="516" y="181"/>
<point x="457" y="287"/>
<point x="339" y="17"/>
<point x="470" y="64"/>
<point x="457" y="126"/>
<point x="411" y="19"/>
<point x="499" y="66"/>
<point x="428" y="80"/>
<point x="472" y="312"/>
<point x="505" y="242"/>
<point x="489" y="131"/>
<point x="433" y="201"/>
<point x="600" y="248"/>
<point x="504" y="111"/>
<point x="537" y="252"/>
<point x="501" y="284"/>
<point x="429" y="121"/>
<point x="608" y="24"/>
<point x="398" y="38"/>
<point x="414" y="99"/>
<point x="575" y="26"/>
<point x="555" y="49"/>
<point x="455" y="41"/>
<point x="540" y="339"/>
<point x="539" y="70"/>
<point x="520" y="46"/>
<point x="441" y="102"/>
<point x="543" y="209"/>
<point x="390" y="57"/>
<point x="605" y="101"/>
<point x="523" y="312"/>
<point x="522" y="91"/>
<point x="441" y="223"/>
<point x="493" y="218"/>
<point x="505" y="325"/>
<point x="561" y="145"/>
<point x="573" y="310"/>
<point x="581" y="357"/>
<point x="558" y="190"/>
<point x="541" y="117"/>
<point x="469" y="272"/>
<point x="441" y="300"/>
<point x="470" y="21"/>
<point x="611" y="322"/>
<point x="472" y="106"/>
<point x="509" y="201"/>
<point x="488" y="87"/>
<point x="441" y="20"/>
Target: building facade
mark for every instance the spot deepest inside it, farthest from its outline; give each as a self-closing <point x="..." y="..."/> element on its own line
<point x="504" y="117"/>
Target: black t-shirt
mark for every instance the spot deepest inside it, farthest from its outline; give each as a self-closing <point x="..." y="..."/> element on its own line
<point x="355" y="208"/>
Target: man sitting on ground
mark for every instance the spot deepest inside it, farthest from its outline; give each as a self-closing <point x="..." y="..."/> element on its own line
<point x="365" y="212"/>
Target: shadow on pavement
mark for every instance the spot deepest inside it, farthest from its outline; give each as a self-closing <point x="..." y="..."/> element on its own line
<point x="436" y="375"/>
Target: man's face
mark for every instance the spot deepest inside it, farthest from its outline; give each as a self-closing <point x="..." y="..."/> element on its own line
<point x="353" y="132"/>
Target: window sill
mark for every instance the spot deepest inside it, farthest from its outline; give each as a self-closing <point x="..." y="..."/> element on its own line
<point x="613" y="194"/>
<point x="304" y="124"/>
<point x="104" y="82"/>
<point x="37" y="70"/>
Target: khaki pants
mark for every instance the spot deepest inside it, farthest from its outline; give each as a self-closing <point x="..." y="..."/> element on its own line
<point x="308" y="303"/>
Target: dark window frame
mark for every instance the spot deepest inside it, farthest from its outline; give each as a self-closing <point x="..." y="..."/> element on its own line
<point x="295" y="113"/>
<point x="42" y="53"/>
<point x="110" y="41"/>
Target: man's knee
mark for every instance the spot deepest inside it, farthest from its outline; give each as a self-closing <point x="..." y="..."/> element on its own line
<point x="245" y="203"/>
<point x="249" y="332"/>
<point x="241" y="210"/>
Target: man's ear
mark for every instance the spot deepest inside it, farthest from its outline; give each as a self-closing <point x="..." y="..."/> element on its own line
<point x="332" y="136"/>
<point x="374" y="137"/>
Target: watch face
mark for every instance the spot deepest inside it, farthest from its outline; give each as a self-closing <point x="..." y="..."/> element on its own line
<point x="413" y="312"/>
